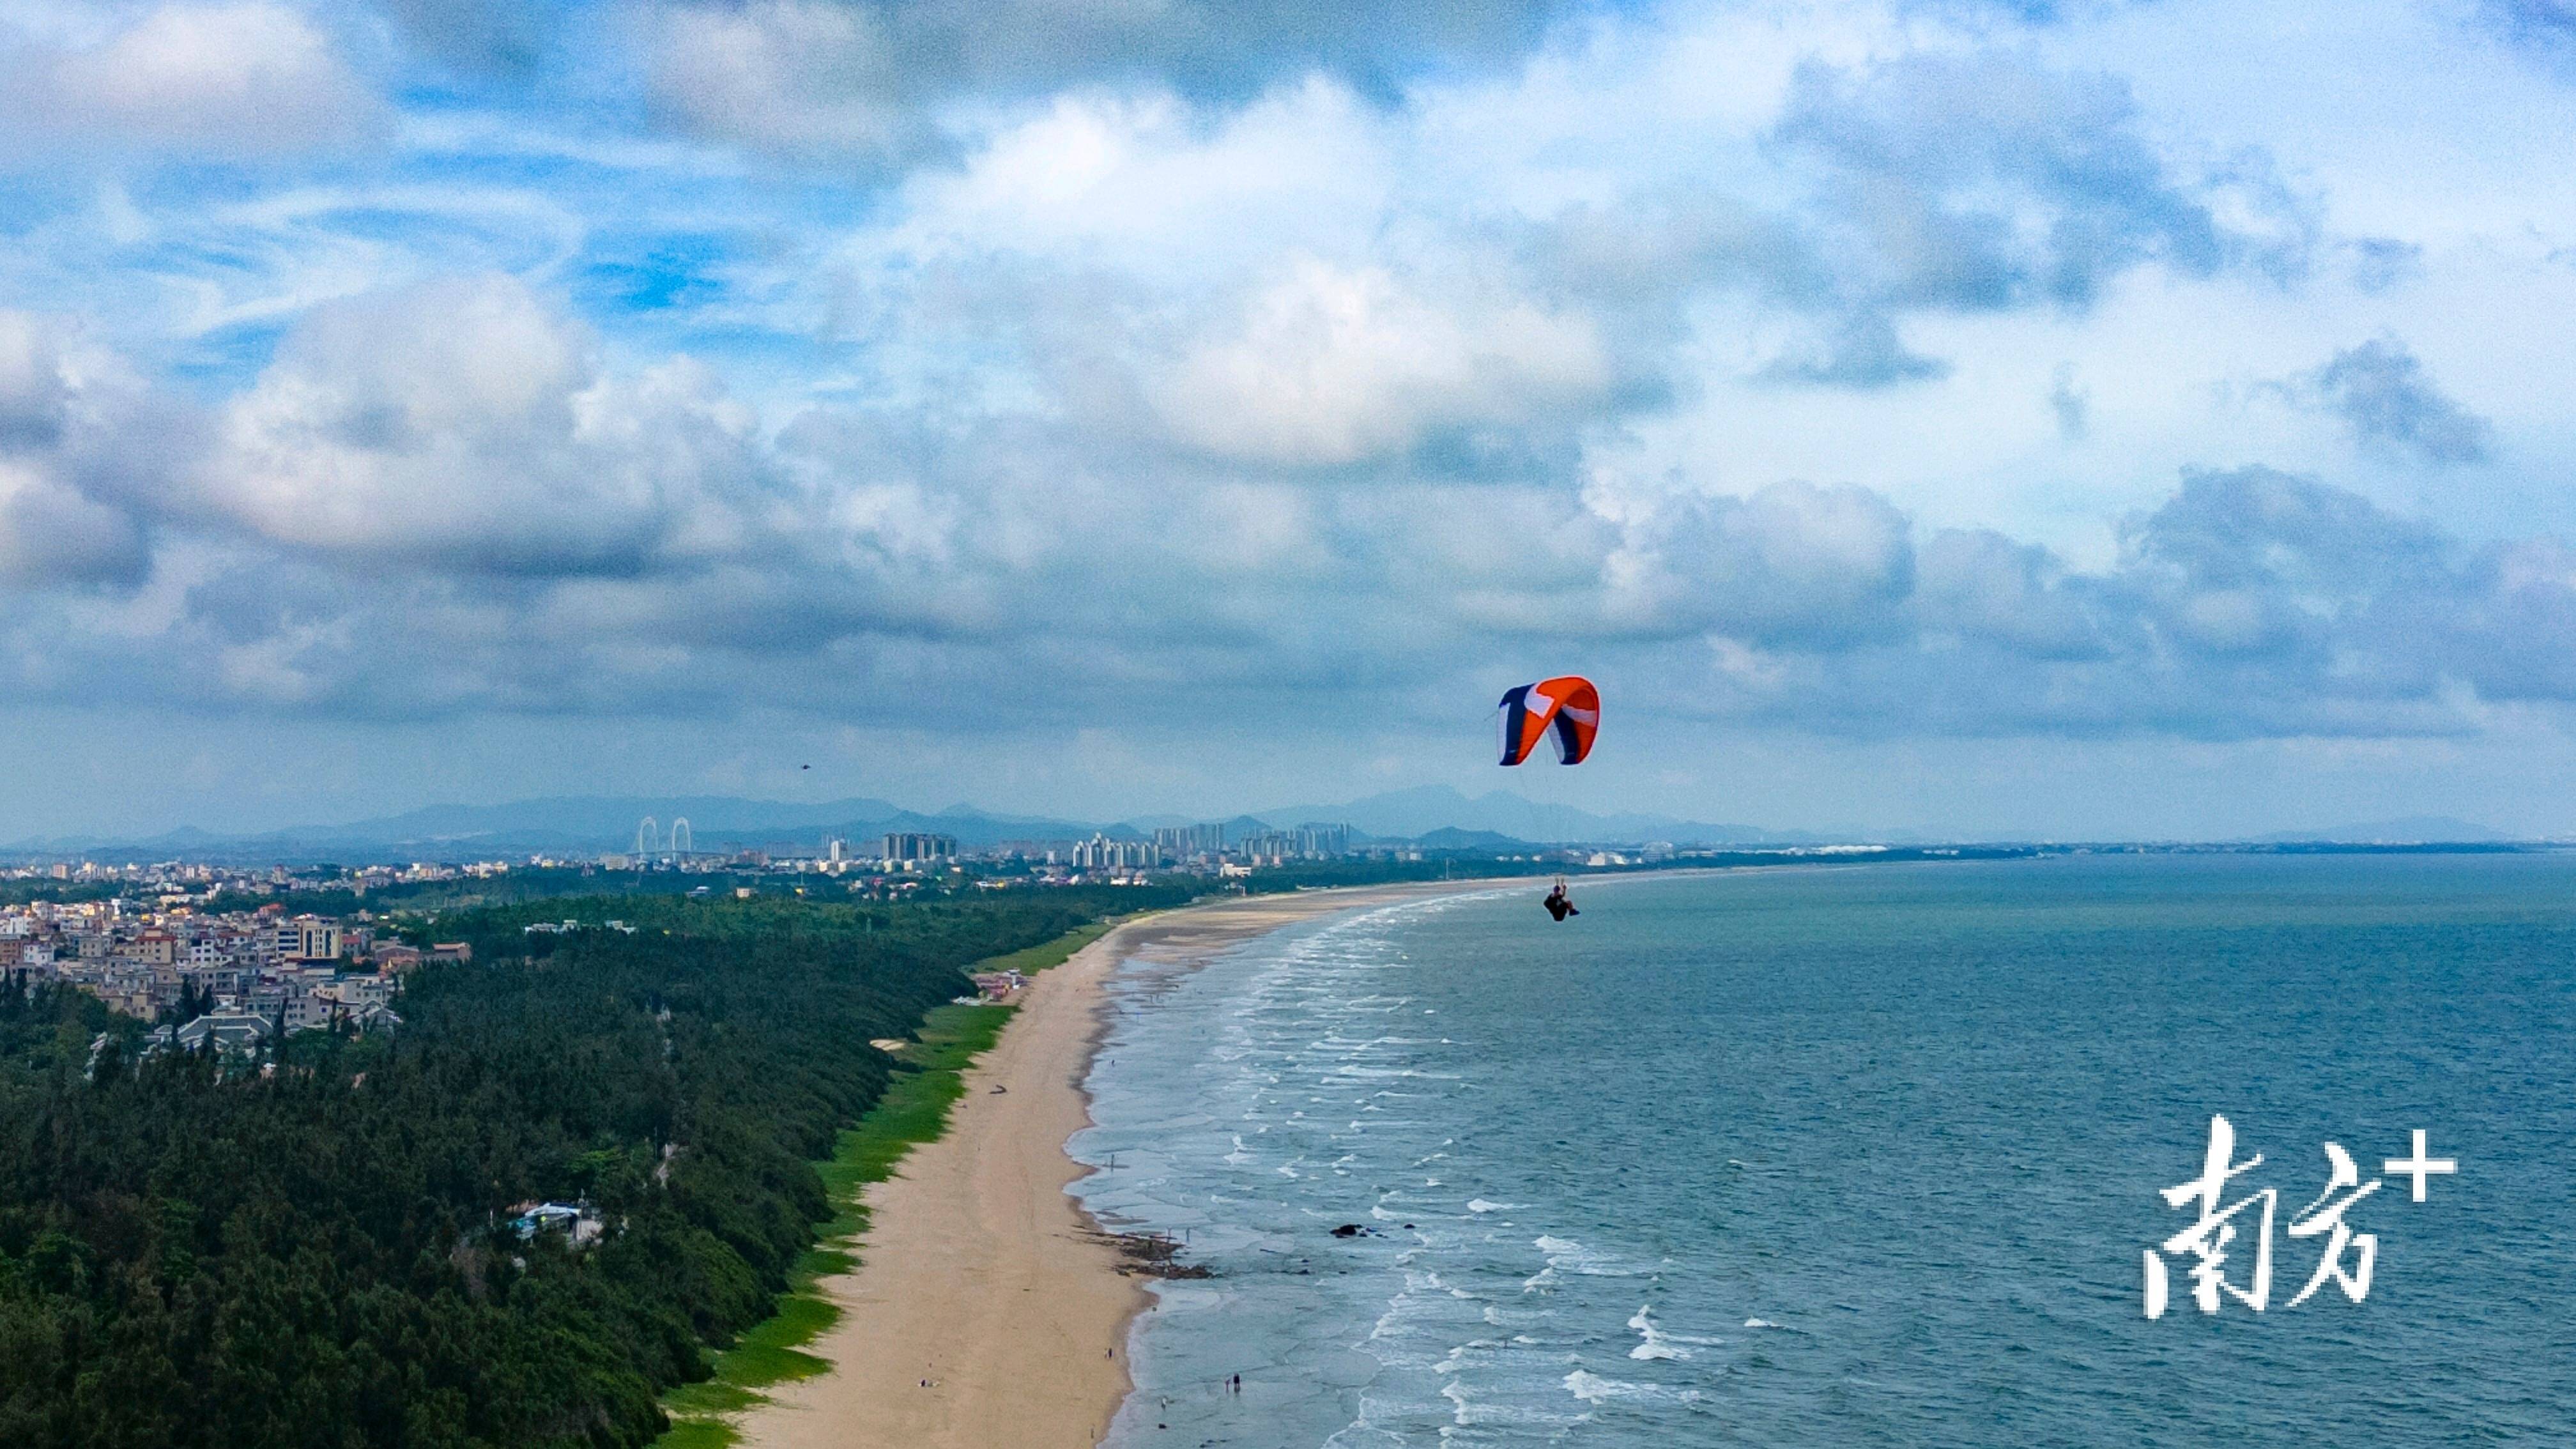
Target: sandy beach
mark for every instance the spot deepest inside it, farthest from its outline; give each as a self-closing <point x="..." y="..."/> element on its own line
<point x="987" y="1309"/>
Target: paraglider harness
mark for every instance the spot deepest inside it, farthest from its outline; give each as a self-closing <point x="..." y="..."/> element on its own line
<point x="1557" y="904"/>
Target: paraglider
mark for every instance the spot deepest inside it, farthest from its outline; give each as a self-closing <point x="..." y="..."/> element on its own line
<point x="1565" y="710"/>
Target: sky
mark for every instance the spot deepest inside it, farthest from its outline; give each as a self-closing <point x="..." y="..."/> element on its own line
<point x="2058" y="420"/>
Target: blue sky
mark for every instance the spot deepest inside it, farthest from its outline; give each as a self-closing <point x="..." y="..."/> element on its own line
<point x="2084" y="419"/>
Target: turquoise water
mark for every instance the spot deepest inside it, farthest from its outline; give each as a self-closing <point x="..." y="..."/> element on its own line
<point x="1857" y="1156"/>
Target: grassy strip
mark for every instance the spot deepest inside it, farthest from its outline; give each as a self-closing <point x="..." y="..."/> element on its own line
<point x="1048" y="953"/>
<point x="913" y="1110"/>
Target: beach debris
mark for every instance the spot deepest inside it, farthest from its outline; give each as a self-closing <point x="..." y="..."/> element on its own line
<point x="1153" y="1255"/>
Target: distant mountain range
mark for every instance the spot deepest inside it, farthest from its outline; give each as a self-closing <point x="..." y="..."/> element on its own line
<point x="2408" y="830"/>
<point x="573" y="824"/>
<point x="1436" y="815"/>
<point x="1410" y="814"/>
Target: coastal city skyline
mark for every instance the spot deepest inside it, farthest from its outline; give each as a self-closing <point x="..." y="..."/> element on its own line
<point x="595" y="830"/>
<point x="2058" y="420"/>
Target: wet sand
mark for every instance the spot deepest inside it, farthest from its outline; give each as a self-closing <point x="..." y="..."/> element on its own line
<point x="988" y="1311"/>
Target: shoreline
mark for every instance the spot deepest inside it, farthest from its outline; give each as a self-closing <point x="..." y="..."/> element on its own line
<point x="986" y="1305"/>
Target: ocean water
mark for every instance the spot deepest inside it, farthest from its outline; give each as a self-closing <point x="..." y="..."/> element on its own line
<point x="1855" y="1156"/>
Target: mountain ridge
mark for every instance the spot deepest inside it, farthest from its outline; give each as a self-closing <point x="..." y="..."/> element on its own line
<point x="595" y="824"/>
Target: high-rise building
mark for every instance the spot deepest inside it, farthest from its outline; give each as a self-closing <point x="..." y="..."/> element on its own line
<point x="1324" y="841"/>
<point x="1306" y="842"/>
<point x="1187" y="842"/>
<point x="1102" y="853"/>
<point x="902" y="846"/>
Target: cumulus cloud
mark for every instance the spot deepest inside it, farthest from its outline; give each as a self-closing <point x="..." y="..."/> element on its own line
<point x="50" y="532"/>
<point x="466" y="422"/>
<point x="1932" y="183"/>
<point x="1793" y="566"/>
<point x="1332" y="366"/>
<point x="1978" y="585"/>
<point x="1982" y="181"/>
<point x="35" y="397"/>
<point x="801" y="76"/>
<point x="402" y="520"/>
<point x="867" y="77"/>
<point x="75" y="443"/>
<point x="204" y="78"/>
<point x="2383" y="394"/>
<point x="1293" y="284"/>
<point x="2251" y="604"/>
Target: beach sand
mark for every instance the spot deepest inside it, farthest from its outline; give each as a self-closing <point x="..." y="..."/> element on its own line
<point x="987" y="1310"/>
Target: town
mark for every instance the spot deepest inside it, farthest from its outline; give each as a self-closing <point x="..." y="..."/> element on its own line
<point x="231" y="978"/>
<point x="236" y="955"/>
<point x="154" y="941"/>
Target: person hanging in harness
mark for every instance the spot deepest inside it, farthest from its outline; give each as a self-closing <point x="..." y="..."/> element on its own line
<point x="1557" y="904"/>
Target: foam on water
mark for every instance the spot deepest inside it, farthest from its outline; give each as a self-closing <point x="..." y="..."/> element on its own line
<point x="1655" y="1344"/>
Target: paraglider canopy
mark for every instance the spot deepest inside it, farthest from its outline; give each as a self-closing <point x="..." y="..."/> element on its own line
<point x="1566" y="709"/>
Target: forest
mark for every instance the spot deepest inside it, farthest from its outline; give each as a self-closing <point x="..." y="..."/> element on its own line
<point x="317" y="1249"/>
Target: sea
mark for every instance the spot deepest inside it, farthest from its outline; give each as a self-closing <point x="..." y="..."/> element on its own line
<point x="1864" y="1154"/>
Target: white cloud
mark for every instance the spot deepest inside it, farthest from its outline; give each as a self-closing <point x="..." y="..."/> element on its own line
<point x="219" y="79"/>
<point x="51" y="533"/>
<point x="466" y="422"/>
<point x="1793" y="566"/>
<point x="801" y="76"/>
<point x="79" y="453"/>
<point x="1335" y="366"/>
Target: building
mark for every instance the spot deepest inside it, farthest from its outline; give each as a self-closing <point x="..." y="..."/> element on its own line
<point x="1322" y="842"/>
<point x="356" y="991"/>
<point x="232" y="1033"/>
<point x="1102" y="853"/>
<point x="314" y="939"/>
<point x="1190" y="842"/>
<point x="1306" y="842"/>
<point x="904" y="846"/>
<point x="576" y="1221"/>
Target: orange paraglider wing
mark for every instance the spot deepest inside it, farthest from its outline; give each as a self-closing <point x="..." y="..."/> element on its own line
<point x="1566" y="708"/>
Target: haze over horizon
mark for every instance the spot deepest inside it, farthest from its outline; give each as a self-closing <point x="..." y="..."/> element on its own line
<point x="1436" y="814"/>
<point x="2067" y="420"/>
